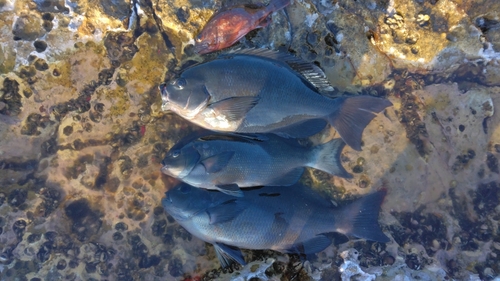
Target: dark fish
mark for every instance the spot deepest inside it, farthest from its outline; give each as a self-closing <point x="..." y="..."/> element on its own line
<point x="230" y="162"/>
<point x="227" y="27"/>
<point x="258" y="91"/>
<point x="293" y="220"/>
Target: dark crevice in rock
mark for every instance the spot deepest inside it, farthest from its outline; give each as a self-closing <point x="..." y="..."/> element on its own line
<point x="28" y="165"/>
<point x="158" y="21"/>
<point x="415" y="128"/>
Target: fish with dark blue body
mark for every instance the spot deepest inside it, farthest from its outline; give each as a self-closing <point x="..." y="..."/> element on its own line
<point x="230" y="162"/>
<point x="292" y="220"/>
<point x="258" y="91"/>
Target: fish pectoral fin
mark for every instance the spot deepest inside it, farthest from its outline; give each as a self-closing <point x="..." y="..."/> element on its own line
<point x="302" y="129"/>
<point x="311" y="246"/>
<point x="228" y="255"/>
<point x="225" y="212"/>
<point x="230" y="189"/>
<point x="234" y="108"/>
<point x="289" y="178"/>
<point x="217" y="162"/>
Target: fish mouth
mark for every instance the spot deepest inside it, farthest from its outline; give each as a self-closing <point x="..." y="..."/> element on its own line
<point x="201" y="48"/>
<point x="165" y="105"/>
<point x="176" y="172"/>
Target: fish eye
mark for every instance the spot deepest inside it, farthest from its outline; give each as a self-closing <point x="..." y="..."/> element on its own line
<point x="175" y="153"/>
<point x="185" y="188"/>
<point x="181" y="83"/>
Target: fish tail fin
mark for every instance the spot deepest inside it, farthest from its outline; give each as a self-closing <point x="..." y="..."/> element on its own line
<point x="352" y="116"/>
<point x="326" y="157"/>
<point x="360" y="218"/>
<point x="276" y="5"/>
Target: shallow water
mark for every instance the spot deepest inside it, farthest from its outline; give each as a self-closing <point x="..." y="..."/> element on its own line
<point x="82" y="136"/>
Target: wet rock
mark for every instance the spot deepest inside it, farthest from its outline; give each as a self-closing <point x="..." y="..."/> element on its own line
<point x="168" y="240"/>
<point x="17" y="197"/>
<point x="34" y="237"/>
<point x="40" y="64"/>
<point x="19" y="227"/>
<point x="420" y="228"/>
<point x="158" y="227"/>
<point x="486" y="198"/>
<point x="61" y="264"/>
<point x="119" y="9"/>
<point x="121" y="226"/>
<point x="492" y="163"/>
<point x="68" y="130"/>
<point x="40" y="46"/>
<point x="175" y="267"/>
<point x="120" y="46"/>
<point x="126" y="166"/>
<point x="149" y="261"/>
<point x="44" y="253"/>
<point x="183" y="14"/>
<point x="49" y="147"/>
<point x="11" y="97"/>
<point x="51" y="200"/>
<point x="117" y="236"/>
<point x="53" y="6"/>
<point x="95" y="116"/>
<point x="28" y="27"/>
<point x="86" y="222"/>
<point x="415" y="128"/>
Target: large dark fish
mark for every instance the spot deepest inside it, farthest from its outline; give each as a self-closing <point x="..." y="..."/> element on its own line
<point x="227" y="27"/>
<point x="230" y="162"/>
<point x="258" y="92"/>
<point x="292" y="220"/>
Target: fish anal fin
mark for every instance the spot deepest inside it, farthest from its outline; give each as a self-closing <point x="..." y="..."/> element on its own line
<point x="311" y="246"/>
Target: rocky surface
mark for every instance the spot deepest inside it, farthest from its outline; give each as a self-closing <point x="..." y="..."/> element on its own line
<point x="82" y="136"/>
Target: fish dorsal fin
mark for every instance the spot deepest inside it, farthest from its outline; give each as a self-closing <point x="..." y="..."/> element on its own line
<point x="217" y="162"/>
<point x="309" y="71"/>
<point x="227" y="254"/>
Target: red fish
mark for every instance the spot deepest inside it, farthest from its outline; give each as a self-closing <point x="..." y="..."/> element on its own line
<point x="227" y="27"/>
